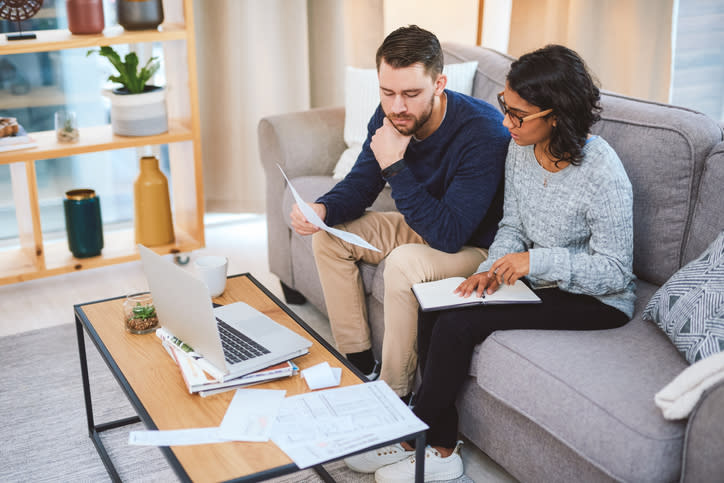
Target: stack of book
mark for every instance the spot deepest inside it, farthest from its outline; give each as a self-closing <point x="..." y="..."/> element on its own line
<point x="203" y="378"/>
<point x="13" y="136"/>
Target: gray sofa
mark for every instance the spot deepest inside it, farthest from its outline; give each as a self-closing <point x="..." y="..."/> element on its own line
<point x="556" y="405"/>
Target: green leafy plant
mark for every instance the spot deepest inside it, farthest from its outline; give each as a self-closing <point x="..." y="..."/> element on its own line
<point x="68" y="125"/>
<point x="129" y="74"/>
<point x="143" y="311"/>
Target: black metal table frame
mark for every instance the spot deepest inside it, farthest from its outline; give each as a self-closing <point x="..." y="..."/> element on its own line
<point x="95" y="430"/>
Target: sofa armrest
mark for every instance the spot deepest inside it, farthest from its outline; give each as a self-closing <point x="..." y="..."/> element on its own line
<point x="703" y="456"/>
<point x="304" y="144"/>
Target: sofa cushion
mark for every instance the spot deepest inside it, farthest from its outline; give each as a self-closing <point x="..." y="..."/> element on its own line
<point x="606" y="380"/>
<point x="492" y="69"/>
<point x="663" y="149"/>
<point x="709" y="210"/>
<point x="689" y="307"/>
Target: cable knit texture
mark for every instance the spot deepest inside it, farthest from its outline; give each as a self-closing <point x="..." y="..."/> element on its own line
<point x="577" y="223"/>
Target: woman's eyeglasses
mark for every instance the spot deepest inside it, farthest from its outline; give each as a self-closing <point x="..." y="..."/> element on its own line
<point x="514" y="118"/>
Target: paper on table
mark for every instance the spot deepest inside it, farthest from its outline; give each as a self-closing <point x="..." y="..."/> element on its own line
<point x="322" y="375"/>
<point x="315" y="220"/>
<point x="176" y="437"/>
<point x="318" y="426"/>
<point x="251" y="414"/>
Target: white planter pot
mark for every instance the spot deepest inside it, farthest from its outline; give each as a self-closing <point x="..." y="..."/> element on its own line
<point x="141" y="114"/>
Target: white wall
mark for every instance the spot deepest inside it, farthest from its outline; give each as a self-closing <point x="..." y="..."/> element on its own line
<point x="253" y="61"/>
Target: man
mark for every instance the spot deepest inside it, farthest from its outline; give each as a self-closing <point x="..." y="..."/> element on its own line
<point x="443" y="155"/>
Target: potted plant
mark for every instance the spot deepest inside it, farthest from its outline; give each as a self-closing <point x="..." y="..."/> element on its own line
<point x="137" y="108"/>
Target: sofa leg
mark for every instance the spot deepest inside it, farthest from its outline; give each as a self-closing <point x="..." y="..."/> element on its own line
<point x="292" y="296"/>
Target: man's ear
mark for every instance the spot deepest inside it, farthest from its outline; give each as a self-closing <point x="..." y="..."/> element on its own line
<point x="440" y="84"/>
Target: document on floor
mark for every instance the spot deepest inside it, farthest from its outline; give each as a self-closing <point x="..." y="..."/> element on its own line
<point x="315" y="427"/>
<point x="315" y="220"/>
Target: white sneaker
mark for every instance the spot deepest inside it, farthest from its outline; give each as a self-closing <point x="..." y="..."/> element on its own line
<point x="437" y="468"/>
<point x="371" y="461"/>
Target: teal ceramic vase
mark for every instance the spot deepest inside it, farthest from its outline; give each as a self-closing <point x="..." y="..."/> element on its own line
<point x="83" y="223"/>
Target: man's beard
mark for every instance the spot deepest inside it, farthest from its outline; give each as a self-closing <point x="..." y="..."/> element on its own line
<point x="417" y="122"/>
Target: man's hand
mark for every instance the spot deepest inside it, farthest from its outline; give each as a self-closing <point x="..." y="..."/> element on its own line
<point x="477" y="282"/>
<point x="511" y="267"/>
<point x="388" y="144"/>
<point x="299" y="221"/>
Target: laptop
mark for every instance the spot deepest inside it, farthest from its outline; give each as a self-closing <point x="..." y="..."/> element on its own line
<point x="235" y="338"/>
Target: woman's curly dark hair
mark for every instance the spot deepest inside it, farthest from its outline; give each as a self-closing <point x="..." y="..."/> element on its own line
<point x="555" y="77"/>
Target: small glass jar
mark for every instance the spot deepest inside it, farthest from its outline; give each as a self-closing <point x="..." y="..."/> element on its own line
<point x="140" y="314"/>
<point x="66" y="127"/>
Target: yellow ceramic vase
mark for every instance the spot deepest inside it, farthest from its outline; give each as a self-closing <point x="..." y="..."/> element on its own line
<point x="152" y="208"/>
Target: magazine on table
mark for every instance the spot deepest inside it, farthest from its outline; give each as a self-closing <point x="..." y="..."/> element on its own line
<point x="199" y="381"/>
<point x="440" y="295"/>
<point x="188" y="352"/>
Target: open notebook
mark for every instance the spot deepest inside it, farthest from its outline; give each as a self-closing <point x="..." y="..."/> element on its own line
<point x="440" y="295"/>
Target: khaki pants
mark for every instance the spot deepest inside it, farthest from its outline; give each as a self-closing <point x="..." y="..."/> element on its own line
<point x="409" y="260"/>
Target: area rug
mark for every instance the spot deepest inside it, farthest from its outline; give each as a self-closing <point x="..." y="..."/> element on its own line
<point x="43" y="433"/>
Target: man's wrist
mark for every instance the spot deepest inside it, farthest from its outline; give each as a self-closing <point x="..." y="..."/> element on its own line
<point x="393" y="169"/>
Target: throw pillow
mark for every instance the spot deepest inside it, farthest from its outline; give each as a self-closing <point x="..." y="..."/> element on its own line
<point x="689" y="307"/>
<point x="362" y="96"/>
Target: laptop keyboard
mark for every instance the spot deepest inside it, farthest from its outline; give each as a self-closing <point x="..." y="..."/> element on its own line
<point x="238" y="347"/>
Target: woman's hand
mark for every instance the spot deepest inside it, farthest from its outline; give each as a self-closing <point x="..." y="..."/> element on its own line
<point x="477" y="283"/>
<point x="509" y="268"/>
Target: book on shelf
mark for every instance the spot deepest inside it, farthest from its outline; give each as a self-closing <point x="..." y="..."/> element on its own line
<point x="440" y="295"/>
<point x="19" y="140"/>
<point x="198" y="380"/>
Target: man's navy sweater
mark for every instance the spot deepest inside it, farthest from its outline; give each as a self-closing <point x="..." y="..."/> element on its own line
<point x="450" y="190"/>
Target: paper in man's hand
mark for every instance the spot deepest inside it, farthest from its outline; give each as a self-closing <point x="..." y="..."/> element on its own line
<point x="315" y="220"/>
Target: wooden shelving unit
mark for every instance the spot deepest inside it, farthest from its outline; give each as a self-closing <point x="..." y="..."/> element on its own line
<point x="34" y="257"/>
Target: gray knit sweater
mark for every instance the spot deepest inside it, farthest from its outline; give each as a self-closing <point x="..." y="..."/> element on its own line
<point x="577" y="224"/>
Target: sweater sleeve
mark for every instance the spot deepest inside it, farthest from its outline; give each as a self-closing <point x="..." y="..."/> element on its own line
<point x="447" y="223"/>
<point x="606" y="267"/>
<point x="510" y="237"/>
<point x="351" y="196"/>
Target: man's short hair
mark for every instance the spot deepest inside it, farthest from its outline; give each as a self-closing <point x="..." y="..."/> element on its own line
<point x="410" y="45"/>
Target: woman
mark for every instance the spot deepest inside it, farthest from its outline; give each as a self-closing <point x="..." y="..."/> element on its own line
<point x="567" y="228"/>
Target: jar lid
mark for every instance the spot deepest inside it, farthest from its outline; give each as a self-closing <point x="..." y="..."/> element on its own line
<point x="80" y="194"/>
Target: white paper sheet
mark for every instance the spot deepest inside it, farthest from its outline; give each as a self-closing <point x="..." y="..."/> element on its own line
<point x="322" y="375"/>
<point x="315" y="220"/>
<point x="251" y="414"/>
<point x="177" y="437"/>
<point x="315" y="427"/>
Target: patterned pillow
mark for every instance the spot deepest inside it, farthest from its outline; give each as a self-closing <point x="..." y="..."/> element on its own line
<point x="689" y="307"/>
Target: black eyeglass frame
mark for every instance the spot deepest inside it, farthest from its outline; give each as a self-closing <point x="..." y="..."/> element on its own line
<point x="514" y="117"/>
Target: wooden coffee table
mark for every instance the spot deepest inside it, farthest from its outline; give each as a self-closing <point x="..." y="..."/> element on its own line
<point x="153" y="385"/>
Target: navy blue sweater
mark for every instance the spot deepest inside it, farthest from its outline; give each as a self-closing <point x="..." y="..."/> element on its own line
<point x="450" y="190"/>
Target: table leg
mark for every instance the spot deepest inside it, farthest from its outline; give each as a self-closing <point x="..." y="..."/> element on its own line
<point x="324" y="474"/>
<point x="420" y="458"/>
<point x="93" y="429"/>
